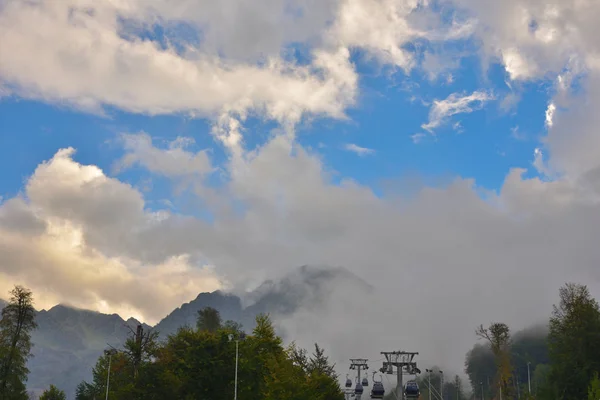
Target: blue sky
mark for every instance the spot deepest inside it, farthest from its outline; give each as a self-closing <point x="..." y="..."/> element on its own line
<point x="385" y="119"/>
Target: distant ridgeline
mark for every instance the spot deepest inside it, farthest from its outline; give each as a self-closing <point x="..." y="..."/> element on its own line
<point x="69" y="341"/>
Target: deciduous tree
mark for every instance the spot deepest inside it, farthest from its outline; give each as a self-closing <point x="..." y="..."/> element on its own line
<point x="498" y="337"/>
<point x="18" y="320"/>
<point x="574" y="342"/>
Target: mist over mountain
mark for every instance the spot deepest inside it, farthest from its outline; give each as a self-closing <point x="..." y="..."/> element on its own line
<point x="69" y="341"/>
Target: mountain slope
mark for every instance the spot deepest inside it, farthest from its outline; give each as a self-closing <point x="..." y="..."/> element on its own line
<point x="229" y="306"/>
<point x="68" y="342"/>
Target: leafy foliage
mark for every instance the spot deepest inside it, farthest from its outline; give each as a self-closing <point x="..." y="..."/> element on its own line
<point x="594" y="388"/>
<point x="18" y="320"/>
<point x="498" y="337"/>
<point x="574" y="342"/>
<point x="199" y="364"/>
<point x="53" y="393"/>
<point x="209" y="320"/>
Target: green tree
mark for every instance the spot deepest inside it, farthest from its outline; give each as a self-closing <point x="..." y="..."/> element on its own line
<point x="480" y="366"/>
<point x="18" y="320"/>
<point x="574" y="342"/>
<point x="209" y="319"/>
<point x="594" y="388"/>
<point x="140" y="347"/>
<point x="53" y="393"/>
<point x="199" y="364"/>
<point x="541" y="386"/>
<point x="498" y="337"/>
<point x="87" y="391"/>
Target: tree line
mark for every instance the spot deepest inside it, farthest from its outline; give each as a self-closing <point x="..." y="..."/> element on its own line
<point x="560" y="361"/>
<point x="194" y="363"/>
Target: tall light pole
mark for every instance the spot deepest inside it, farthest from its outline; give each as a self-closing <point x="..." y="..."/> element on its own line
<point x="109" y="353"/>
<point x="482" y="396"/>
<point x="442" y="384"/>
<point x="241" y="336"/>
<point x="528" y="378"/>
<point x="429" y="382"/>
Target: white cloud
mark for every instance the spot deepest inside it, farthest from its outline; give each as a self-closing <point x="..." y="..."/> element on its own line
<point x="361" y="151"/>
<point x="173" y="162"/>
<point x="555" y="41"/>
<point x="417" y="137"/>
<point x="82" y="237"/>
<point x="223" y="60"/>
<point x="89" y="63"/>
<point x="456" y="103"/>
<point x="60" y="240"/>
<point x="550" y="115"/>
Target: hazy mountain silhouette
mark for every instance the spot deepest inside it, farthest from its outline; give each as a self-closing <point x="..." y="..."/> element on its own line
<point x="69" y="341"/>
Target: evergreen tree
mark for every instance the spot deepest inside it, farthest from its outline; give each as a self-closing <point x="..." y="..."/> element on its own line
<point x="53" y="393"/>
<point x="18" y="320"/>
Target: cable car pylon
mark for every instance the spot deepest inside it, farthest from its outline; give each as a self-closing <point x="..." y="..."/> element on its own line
<point x="359" y="364"/>
<point x="403" y="362"/>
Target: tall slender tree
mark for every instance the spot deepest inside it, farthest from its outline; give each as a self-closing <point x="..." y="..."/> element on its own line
<point x="498" y="336"/>
<point x="18" y="320"/>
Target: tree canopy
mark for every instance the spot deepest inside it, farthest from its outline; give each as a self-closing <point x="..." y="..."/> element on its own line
<point x="53" y="393"/>
<point x="199" y="364"/>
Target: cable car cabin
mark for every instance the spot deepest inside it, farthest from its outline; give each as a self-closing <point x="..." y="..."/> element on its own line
<point x="365" y="382"/>
<point x="411" y="390"/>
<point x="358" y="389"/>
<point x="378" y="391"/>
<point x="348" y="383"/>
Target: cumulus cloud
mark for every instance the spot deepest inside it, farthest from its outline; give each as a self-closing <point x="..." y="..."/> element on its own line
<point x="456" y="103"/>
<point x="361" y="151"/>
<point x="173" y="162"/>
<point x="56" y="239"/>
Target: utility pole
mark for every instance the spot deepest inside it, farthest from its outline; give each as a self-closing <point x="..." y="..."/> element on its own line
<point x="359" y="364"/>
<point x="401" y="360"/>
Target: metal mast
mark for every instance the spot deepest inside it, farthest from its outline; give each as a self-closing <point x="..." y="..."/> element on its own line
<point x="403" y="361"/>
<point x="359" y="364"/>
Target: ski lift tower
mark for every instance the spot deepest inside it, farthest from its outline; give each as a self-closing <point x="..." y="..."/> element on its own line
<point x="403" y="361"/>
<point x="359" y="364"/>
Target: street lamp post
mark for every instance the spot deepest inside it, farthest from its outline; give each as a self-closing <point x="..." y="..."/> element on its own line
<point x="109" y="353"/>
<point x="528" y="378"/>
<point x="482" y="396"/>
<point x="241" y="336"/>
<point x="429" y="382"/>
<point x="442" y="384"/>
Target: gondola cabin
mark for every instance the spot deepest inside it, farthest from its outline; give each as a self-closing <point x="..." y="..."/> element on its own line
<point x="411" y="390"/>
